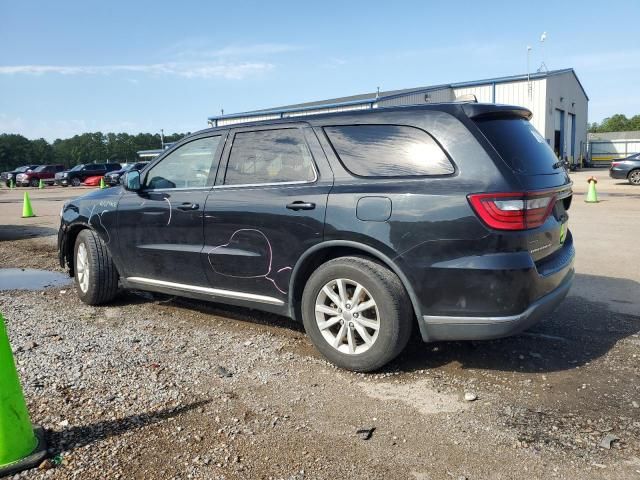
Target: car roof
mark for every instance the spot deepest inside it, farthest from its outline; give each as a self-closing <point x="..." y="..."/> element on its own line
<point x="470" y="109"/>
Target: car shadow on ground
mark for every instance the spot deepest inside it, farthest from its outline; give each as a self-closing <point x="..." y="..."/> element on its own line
<point x="20" y="232"/>
<point x="75" y="437"/>
<point x="580" y="330"/>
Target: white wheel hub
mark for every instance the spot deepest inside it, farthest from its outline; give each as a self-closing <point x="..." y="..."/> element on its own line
<point x="347" y="316"/>
<point x="82" y="268"/>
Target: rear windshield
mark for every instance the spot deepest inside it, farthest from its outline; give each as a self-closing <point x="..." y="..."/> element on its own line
<point x="519" y="144"/>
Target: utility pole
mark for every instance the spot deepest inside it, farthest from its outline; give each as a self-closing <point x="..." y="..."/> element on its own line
<point x="162" y="138"/>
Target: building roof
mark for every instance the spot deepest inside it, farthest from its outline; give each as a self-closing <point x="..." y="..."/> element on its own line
<point x="385" y="95"/>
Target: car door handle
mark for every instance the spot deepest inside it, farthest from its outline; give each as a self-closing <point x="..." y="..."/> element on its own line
<point x="301" y="206"/>
<point x="188" y="206"/>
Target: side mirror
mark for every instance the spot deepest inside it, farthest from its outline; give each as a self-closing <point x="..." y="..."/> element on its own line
<point x="132" y="180"/>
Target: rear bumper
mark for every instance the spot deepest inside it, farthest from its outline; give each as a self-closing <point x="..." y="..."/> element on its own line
<point x="617" y="173"/>
<point x="437" y="328"/>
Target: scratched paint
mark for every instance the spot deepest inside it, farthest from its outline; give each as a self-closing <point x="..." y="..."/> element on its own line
<point x="270" y="275"/>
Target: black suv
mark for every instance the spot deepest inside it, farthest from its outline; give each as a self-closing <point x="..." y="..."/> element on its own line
<point x="113" y="178"/>
<point x="449" y="218"/>
<point x="80" y="173"/>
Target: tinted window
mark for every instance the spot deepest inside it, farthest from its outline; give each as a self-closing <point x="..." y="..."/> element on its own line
<point x="42" y="168"/>
<point x="388" y="151"/>
<point x="186" y="167"/>
<point x="519" y="144"/>
<point x="269" y="156"/>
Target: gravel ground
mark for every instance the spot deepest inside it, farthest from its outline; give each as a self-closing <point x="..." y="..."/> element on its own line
<point x="160" y="387"/>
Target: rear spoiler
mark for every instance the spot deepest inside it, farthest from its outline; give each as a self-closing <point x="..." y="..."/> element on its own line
<point x="489" y="110"/>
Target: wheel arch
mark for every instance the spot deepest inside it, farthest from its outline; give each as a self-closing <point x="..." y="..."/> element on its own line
<point x="329" y="250"/>
<point x="69" y="243"/>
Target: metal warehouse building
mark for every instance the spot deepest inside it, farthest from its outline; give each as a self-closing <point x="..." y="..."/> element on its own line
<point x="557" y="99"/>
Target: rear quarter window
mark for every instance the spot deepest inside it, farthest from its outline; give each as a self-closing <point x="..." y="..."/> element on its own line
<point x="519" y="144"/>
<point x="388" y="151"/>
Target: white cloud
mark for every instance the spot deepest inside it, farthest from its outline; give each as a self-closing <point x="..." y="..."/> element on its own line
<point x="202" y="48"/>
<point x="233" y="71"/>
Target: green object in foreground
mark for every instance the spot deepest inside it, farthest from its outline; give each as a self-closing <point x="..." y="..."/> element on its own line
<point x="27" y="211"/>
<point x="20" y="447"/>
<point x="592" y="195"/>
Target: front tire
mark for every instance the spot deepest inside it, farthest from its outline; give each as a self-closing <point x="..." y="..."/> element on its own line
<point x="356" y="313"/>
<point x="95" y="275"/>
<point x="34" y="182"/>
<point x="634" y="177"/>
<point x="75" y="182"/>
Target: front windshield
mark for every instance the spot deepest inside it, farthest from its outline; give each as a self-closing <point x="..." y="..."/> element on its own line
<point x="22" y="169"/>
<point x="76" y="168"/>
<point x="40" y="168"/>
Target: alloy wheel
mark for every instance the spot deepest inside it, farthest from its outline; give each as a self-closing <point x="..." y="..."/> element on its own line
<point x="347" y="316"/>
<point x="634" y="177"/>
<point x="82" y="268"/>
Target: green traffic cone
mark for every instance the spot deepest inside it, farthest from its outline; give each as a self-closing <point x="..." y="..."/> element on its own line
<point x="21" y="446"/>
<point x="592" y="195"/>
<point x="102" y="184"/>
<point x="12" y="184"/>
<point x="27" y="211"/>
<point x="41" y="184"/>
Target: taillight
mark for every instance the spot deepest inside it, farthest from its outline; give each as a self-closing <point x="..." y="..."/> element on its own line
<point x="513" y="211"/>
<point x="615" y="164"/>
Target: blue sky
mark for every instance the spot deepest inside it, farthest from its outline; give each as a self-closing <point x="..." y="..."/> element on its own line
<point x="68" y="67"/>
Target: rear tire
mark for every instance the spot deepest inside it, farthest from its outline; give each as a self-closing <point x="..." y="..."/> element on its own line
<point x="95" y="275"/>
<point x="368" y="338"/>
<point x="634" y="177"/>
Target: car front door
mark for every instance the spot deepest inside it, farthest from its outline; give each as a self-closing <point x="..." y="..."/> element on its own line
<point x="267" y="208"/>
<point x="160" y="226"/>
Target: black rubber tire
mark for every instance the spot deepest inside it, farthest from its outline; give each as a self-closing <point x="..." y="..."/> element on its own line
<point x="34" y="182"/>
<point x="635" y="170"/>
<point x="76" y="182"/>
<point x="393" y="304"/>
<point x="103" y="276"/>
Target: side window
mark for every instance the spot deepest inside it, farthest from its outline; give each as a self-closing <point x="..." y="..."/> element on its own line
<point x="186" y="167"/>
<point x="388" y="151"/>
<point x="269" y="156"/>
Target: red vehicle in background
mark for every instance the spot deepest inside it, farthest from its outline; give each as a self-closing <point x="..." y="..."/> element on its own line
<point x="92" y="181"/>
<point x="32" y="178"/>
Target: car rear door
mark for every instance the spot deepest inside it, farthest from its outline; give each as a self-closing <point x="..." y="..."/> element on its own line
<point x="267" y="208"/>
<point x="160" y="226"/>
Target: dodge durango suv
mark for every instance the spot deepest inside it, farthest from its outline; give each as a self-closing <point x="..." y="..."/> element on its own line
<point x="450" y="219"/>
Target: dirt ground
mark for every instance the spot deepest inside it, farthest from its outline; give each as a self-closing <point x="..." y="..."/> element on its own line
<point x="160" y="387"/>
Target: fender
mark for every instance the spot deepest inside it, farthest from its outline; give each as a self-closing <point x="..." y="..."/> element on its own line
<point x="367" y="249"/>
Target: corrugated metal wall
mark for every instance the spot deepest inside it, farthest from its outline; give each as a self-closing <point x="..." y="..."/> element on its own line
<point x="517" y="93"/>
<point x="484" y="93"/>
<point x="564" y="93"/>
<point x="319" y="111"/>
<point x="257" y="118"/>
<point x="432" y="96"/>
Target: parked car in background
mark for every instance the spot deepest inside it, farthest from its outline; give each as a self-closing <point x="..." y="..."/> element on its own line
<point x="32" y="178"/>
<point x="6" y="177"/>
<point x="627" y="168"/>
<point x="113" y="178"/>
<point x="446" y="218"/>
<point x="92" y="181"/>
<point x="80" y="173"/>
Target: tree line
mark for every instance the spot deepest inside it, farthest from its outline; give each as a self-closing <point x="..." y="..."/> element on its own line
<point x="616" y="123"/>
<point x="96" y="147"/>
